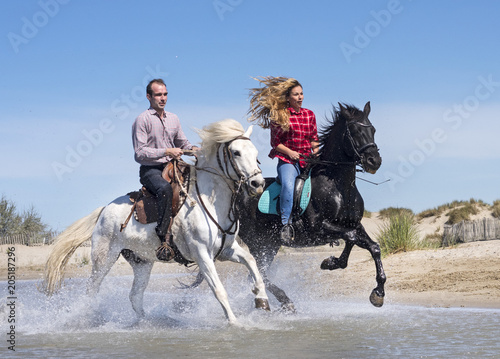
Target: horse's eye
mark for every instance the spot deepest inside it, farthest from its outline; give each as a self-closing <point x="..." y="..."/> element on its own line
<point x="237" y="153"/>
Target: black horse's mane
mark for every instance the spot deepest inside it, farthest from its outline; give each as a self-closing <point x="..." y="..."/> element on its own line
<point x="337" y="118"/>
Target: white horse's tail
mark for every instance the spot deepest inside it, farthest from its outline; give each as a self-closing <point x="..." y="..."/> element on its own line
<point x="66" y="244"/>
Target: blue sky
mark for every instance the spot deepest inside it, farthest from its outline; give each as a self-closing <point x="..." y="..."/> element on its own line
<point x="74" y="73"/>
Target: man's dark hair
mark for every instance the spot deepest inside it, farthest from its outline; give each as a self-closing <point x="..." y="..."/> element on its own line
<point x="155" y="81"/>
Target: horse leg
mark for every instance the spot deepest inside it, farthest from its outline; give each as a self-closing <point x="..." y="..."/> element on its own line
<point x="286" y="303"/>
<point x="142" y="272"/>
<point x="264" y="260"/>
<point x="207" y="268"/>
<point x="333" y="262"/>
<point x="349" y="236"/>
<point x="103" y="259"/>
<point x="364" y="241"/>
<point x="238" y="255"/>
<point x="360" y="238"/>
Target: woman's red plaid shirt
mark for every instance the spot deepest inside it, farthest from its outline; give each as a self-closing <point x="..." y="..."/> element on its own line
<point x="302" y="132"/>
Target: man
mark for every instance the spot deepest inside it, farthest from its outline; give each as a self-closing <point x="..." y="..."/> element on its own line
<point x="157" y="137"/>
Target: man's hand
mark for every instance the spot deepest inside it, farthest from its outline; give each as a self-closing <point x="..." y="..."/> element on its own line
<point x="191" y="152"/>
<point x="175" y="153"/>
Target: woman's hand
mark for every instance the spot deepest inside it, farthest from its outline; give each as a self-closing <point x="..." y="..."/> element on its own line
<point x="295" y="156"/>
<point x="315" y="147"/>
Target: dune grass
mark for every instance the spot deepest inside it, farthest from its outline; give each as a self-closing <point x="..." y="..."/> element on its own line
<point x="457" y="210"/>
<point x="389" y="212"/>
<point x="399" y="233"/>
<point x="432" y="241"/>
<point x="462" y="213"/>
<point x="495" y="209"/>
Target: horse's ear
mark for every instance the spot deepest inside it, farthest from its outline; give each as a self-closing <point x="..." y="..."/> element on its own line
<point x="248" y="131"/>
<point x="367" y="109"/>
<point x="343" y="110"/>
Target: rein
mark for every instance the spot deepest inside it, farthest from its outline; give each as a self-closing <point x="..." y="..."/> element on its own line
<point x="224" y="231"/>
<point x="237" y="183"/>
<point x="316" y="161"/>
<point x="358" y="152"/>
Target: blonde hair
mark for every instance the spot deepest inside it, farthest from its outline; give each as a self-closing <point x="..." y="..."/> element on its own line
<point x="268" y="104"/>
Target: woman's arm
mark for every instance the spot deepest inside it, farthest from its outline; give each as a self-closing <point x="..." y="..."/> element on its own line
<point x="293" y="155"/>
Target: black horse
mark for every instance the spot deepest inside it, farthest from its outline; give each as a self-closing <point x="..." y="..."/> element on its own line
<point x="335" y="209"/>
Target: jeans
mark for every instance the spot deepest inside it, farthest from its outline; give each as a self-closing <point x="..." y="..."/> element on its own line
<point x="287" y="173"/>
<point x="151" y="178"/>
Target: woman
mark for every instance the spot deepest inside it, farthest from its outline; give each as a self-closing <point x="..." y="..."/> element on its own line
<point x="294" y="135"/>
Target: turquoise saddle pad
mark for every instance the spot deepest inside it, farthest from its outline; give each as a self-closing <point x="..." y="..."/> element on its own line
<point x="268" y="202"/>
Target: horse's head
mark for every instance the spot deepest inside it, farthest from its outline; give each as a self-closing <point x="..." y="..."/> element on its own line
<point x="236" y="154"/>
<point x="360" y="138"/>
<point x="242" y="155"/>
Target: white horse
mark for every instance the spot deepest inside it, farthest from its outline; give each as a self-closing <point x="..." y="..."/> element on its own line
<point x="204" y="229"/>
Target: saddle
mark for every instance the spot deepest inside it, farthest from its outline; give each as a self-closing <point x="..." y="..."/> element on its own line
<point x="269" y="200"/>
<point x="145" y="208"/>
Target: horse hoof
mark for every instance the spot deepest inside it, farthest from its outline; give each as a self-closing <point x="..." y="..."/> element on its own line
<point x="376" y="299"/>
<point x="261" y="303"/>
<point x="330" y="264"/>
<point x="235" y="323"/>
<point x="288" y="308"/>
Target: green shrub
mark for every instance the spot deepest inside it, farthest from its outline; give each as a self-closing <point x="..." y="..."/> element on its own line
<point x="437" y="211"/>
<point x="389" y="212"/>
<point x="456" y="204"/>
<point x="495" y="209"/>
<point x="428" y="213"/>
<point x="398" y="234"/>
<point x="367" y="214"/>
<point x="433" y="240"/>
<point x="477" y="202"/>
<point x="462" y="213"/>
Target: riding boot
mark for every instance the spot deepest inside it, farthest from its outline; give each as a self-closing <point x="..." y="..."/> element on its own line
<point x="165" y="251"/>
<point x="287" y="234"/>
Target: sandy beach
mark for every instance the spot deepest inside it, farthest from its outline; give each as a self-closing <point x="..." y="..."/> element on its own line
<point x="465" y="275"/>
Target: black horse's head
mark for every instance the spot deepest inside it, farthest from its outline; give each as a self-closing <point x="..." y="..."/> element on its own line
<point x="359" y="138"/>
<point x="350" y="138"/>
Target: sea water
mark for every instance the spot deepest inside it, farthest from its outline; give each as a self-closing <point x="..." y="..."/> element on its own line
<point x="190" y="324"/>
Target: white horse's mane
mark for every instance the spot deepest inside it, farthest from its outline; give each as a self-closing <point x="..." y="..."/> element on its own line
<point x="219" y="132"/>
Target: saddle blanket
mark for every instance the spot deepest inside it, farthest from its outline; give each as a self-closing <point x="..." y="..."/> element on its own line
<point x="268" y="202"/>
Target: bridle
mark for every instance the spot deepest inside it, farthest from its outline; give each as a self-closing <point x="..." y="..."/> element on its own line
<point x="228" y="157"/>
<point x="359" y="152"/>
<point x="224" y="165"/>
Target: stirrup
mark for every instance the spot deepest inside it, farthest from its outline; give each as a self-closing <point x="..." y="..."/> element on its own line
<point x="164" y="252"/>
